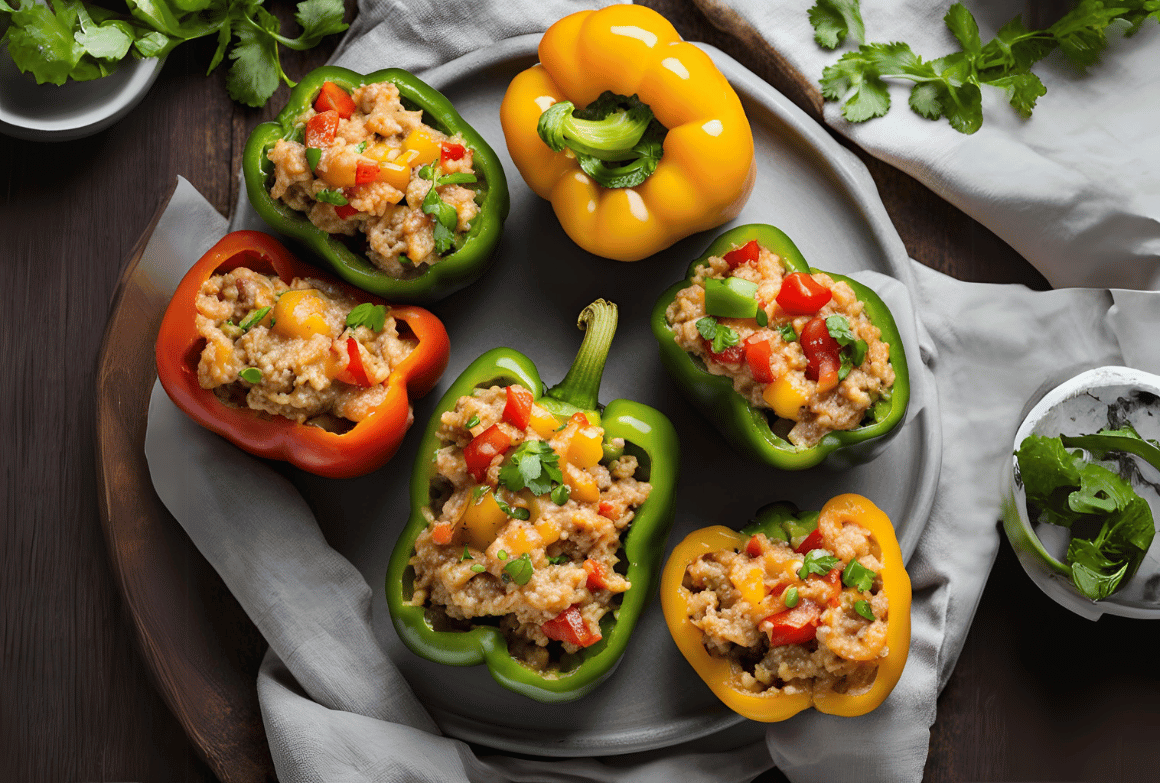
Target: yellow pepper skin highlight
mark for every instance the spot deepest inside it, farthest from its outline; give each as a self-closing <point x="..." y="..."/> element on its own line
<point x="707" y="170"/>
<point x="772" y="706"/>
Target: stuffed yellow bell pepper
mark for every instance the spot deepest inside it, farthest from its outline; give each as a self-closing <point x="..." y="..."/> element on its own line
<point x="797" y="610"/>
<point x="633" y="134"/>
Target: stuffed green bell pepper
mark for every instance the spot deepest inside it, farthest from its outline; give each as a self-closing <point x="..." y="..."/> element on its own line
<point x="381" y="177"/>
<point x="792" y="364"/>
<point x="538" y="522"/>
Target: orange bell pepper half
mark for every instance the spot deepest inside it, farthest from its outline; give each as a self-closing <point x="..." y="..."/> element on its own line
<point x="365" y="446"/>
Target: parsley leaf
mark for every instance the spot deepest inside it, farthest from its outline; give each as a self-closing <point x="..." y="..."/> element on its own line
<point x="818" y="561"/>
<point x="949" y="87"/>
<point x="857" y="576"/>
<point x="833" y="20"/>
<point x="533" y="465"/>
<point x="718" y="334"/>
<point x="372" y="316"/>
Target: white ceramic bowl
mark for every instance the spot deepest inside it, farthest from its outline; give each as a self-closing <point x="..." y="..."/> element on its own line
<point x="1080" y="406"/>
<point x="47" y="112"/>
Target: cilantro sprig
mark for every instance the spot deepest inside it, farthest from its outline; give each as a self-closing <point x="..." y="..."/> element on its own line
<point x="433" y="204"/>
<point x="372" y="316"/>
<point x="853" y="351"/>
<point x="1111" y="526"/>
<point x="78" y="41"/>
<point x="720" y="335"/>
<point x="533" y="465"/>
<point x="951" y="86"/>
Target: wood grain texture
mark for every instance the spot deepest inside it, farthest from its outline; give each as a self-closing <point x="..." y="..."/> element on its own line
<point x="84" y="660"/>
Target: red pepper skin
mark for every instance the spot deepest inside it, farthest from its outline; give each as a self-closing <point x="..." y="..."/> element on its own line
<point x="569" y="626"/>
<point x="597" y="579"/>
<point x="331" y="96"/>
<point x="822" y="354"/>
<point x="758" y="354"/>
<point x="796" y="626"/>
<point x="357" y="371"/>
<point x="800" y="294"/>
<point x="812" y="541"/>
<point x="320" y="129"/>
<point x="746" y="254"/>
<point x="517" y="411"/>
<point x="367" y="445"/>
<point x="483" y="448"/>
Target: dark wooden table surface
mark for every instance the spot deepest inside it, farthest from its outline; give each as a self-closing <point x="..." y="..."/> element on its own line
<point x="1038" y="694"/>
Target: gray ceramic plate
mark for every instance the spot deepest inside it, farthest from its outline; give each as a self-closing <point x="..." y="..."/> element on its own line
<point x="807" y="185"/>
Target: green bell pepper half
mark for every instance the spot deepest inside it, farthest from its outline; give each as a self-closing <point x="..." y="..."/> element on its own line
<point x="473" y="251"/>
<point x="648" y="434"/>
<point x="748" y="427"/>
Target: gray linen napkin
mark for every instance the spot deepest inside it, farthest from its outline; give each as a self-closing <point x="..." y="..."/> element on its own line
<point x="335" y="706"/>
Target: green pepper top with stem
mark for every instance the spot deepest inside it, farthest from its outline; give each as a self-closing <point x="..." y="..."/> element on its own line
<point x="470" y="253"/>
<point x="746" y="425"/>
<point x="647" y="435"/>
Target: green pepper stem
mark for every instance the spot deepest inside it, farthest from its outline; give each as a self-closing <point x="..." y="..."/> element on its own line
<point x="581" y="386"/>
<point x="610" y="138"/>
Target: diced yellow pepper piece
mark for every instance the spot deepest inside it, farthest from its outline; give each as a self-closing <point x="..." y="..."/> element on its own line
<point x="543" y="423"/>
<point x="581" y="483"/>
<point x="422" y="142"/>
<point x="786" y="395"/>
<point x="586" y="447"/>
<point x="395" y="175"/>
<point x="521" y="541"/>
<point x="381" y="152"/>
<point x="549" y="531"/>
<point x="300" y="314"/>
<point x="482" y="521"/>
<point x="750" y="582"/>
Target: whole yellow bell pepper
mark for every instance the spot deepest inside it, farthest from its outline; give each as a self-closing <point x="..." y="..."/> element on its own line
<point x="703" y="176"/>
<point x="774" y="705"/>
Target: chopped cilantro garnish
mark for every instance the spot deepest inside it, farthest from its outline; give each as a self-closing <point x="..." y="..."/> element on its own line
<point x="818" y="561"/>
<point x="372" y="316"/>
<point x="520" y="569"/>
<point x="857" y="576"/>
<point x="863" y="608"/>
<point x="501" y="554"/>
<point x="560" y="494"/>
<point x="334" y="197"/>
<point x="787" y="333"/>
<point x="313" y="155"/>
<point x="445" y="215"/>
<point x="479" y="492"/>
<point x="479" y="568"/>
<point x="721" y="336"/>
<point x="473" y="422"/>
<point x="533" y="465"/>
<point x="251" y="375"/>
<point x="515" y="512"/>
<point x="791" y="597"/>
<point x="466" y="555"/>
<point x="559" y="559"/>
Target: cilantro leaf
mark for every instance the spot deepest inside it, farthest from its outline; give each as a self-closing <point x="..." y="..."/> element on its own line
<point x="372" y="316"/>
<point x="857" y="576"/>
<point x="720" y="335"/>
<point x="818" y="561"/>
<point x="255" y="71"/>
<point x="963" y="26"/>
<point x="520" y="569"/>
<point x="533" y="465"/>
<point x="833" y="20"/>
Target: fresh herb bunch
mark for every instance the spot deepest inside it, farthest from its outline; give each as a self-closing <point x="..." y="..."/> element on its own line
<point x="950" y="86"/>
<point x="78" y="41"/>
<point x="1111" y="526"/>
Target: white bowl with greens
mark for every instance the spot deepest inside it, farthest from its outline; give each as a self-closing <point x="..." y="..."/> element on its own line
<point x="1082" y="493"/>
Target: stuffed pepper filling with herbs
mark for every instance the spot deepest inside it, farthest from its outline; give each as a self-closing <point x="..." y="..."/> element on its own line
<point x="797" y="610"/>
<point x="304" y="350"/>
<point x="367" y="167"/>
<point x="798" y="345"/>
<point x="806" y="619"/>
<point x="525" y="524"/>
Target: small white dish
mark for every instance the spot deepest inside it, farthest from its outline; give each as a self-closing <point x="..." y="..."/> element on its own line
<point x="48" y="112"/>
<point x="1080" y="406"/>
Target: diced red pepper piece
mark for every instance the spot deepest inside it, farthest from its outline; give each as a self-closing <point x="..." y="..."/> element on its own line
<point x="365" y="171"/>
<point x="345" y="211"/>
<point x="812" y="541"/>
<point x="758" y="354"/>
<point x="321" y="128"/>
<point x="822" y="354"/>
<point x="753" y="547"/>
<point x="746" y="254"/>
<point x="597" y="578"/>
<point x="579" y="419"/>
<point x="441" y="533"/>
<point x="796" y="626"/>
<point x="609" y="510"/>
<point x="734" y="354"/>
<point x="356" y="369"/>
<point x="800" y="294"/>
<point x="450" y="151"/>
<point x="483" y="448"/>
<point x="569" y="626"/>
<point x="517" y="411"/>
<point x="334" y="98"/>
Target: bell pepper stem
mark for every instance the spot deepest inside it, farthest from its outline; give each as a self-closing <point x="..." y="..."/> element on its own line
<point x="581" y="386"/>
<point x="610" y="138"/>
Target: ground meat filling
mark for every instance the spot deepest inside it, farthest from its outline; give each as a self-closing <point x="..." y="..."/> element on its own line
<point x="824" y="643"/>
<point x="538" y="559"/>
<point x="286" y="350"/>
<point x="798" y="412"/>
<point x="393" y="144"/>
